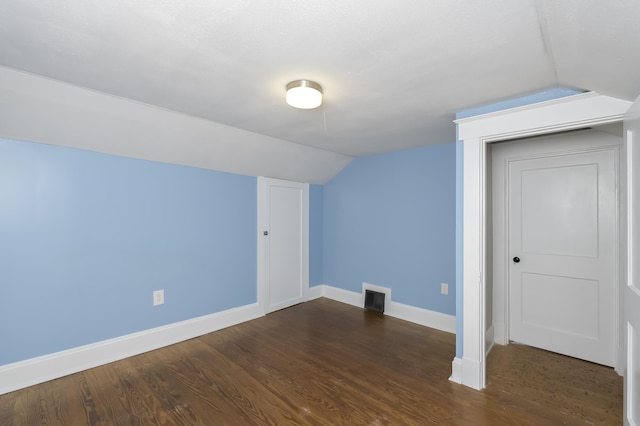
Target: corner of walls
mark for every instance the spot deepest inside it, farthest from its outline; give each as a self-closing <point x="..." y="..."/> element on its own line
<point x="420" y="316"/>
<point x="316" y="235"/>
<point x="389" y="219"/>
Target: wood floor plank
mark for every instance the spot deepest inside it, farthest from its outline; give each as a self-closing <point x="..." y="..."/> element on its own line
<point x="579" y="389"/>
<point x="188" y="389"/>
<point x="241" y="391"/>
<point x="322" y="363"/>
<point x="55" y="408"/>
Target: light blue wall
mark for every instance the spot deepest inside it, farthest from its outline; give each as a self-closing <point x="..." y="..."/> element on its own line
<point x="389" y="220"/>
<point x="316" y="230"/>
<point x="87" y="237"/>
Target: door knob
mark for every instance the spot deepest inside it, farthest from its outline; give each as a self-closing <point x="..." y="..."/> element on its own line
<point x="516" y="259"/>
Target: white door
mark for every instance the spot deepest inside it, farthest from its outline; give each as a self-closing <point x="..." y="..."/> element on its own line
<point x="631" y="291"/>
<point x="283" y="234"/>
<point x="562" y="246"/>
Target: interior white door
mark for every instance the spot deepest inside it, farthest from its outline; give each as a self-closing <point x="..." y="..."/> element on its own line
<point x="284" y="231"/>
<point x="562" y="214"/>
<point x="631" y="291"/>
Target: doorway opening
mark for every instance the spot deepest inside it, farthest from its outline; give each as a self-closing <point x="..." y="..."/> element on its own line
<point x="476" y="133"/>
<point x="552" y="207"/>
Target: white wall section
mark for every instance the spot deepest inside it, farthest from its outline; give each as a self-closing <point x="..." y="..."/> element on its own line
<point x="39" y="109"/>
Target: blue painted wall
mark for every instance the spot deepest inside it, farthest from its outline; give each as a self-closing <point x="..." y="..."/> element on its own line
<point x="389" y="220"/>
<point x="87" y="237"/>
<point x="316" y="231"/>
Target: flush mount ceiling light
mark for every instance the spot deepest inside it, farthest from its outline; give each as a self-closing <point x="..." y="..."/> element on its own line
<point x="304" y="94"/>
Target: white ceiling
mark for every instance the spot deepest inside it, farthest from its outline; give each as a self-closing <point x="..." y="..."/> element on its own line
<point x="393" y="73"/>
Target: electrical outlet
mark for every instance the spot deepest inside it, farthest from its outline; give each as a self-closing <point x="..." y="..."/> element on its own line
<point x="444" y="288"/>
<point x="158" y="297"/>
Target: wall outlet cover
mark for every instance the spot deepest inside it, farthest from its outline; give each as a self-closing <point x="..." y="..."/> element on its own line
<point x="158" y="297"/>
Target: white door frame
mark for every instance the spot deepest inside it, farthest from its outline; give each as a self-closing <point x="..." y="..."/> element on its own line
<point x="568" y="113"/>
<point x="631" y="314"/>
<point x="263" y="222"/>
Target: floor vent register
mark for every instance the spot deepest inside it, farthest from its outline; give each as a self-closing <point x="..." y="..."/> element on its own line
<point x="374" y="301"/>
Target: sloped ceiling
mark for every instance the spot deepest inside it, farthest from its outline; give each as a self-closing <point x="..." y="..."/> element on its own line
<point x="394" y="74"/>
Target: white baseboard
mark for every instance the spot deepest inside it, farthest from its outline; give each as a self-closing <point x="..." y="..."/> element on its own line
<point x="21" y="374"/>
<point x="433" y="319"/>
<point x="472" y="374"/>
<point x="426" y="317"/>
<point x="341" y="295"/>
<point x="456" y="370"/>
<point x="315" y="292"/>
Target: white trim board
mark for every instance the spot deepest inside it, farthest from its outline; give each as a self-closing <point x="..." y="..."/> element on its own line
<point x="30" y="372"/>
<point x="571" y="112"/>
<point x="425" y="317"/>
<point x="456" y="371"/>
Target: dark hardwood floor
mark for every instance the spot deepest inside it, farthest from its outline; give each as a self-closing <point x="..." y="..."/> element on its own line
<point x="322" y="363"/>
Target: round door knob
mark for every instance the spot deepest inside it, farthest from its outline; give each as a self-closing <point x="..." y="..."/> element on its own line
<point x="516" y="259"/>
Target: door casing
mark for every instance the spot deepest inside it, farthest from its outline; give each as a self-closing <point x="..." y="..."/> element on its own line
<point x="630" y="322"/>
<point x="568" y="113"/>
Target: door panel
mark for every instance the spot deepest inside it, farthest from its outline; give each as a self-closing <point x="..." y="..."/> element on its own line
<point x="564" y="202"/>
<point x="283" y="243"/>
<point x="578" y="296"/>
<point x="562" y="224"/>
<point x="285" y="266"/>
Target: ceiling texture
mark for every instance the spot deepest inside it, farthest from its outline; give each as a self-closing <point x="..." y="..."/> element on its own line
<point x="394" y="73"/>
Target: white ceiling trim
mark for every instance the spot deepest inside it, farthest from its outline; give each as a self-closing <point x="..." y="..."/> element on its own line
<point x="605" y="108"/>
